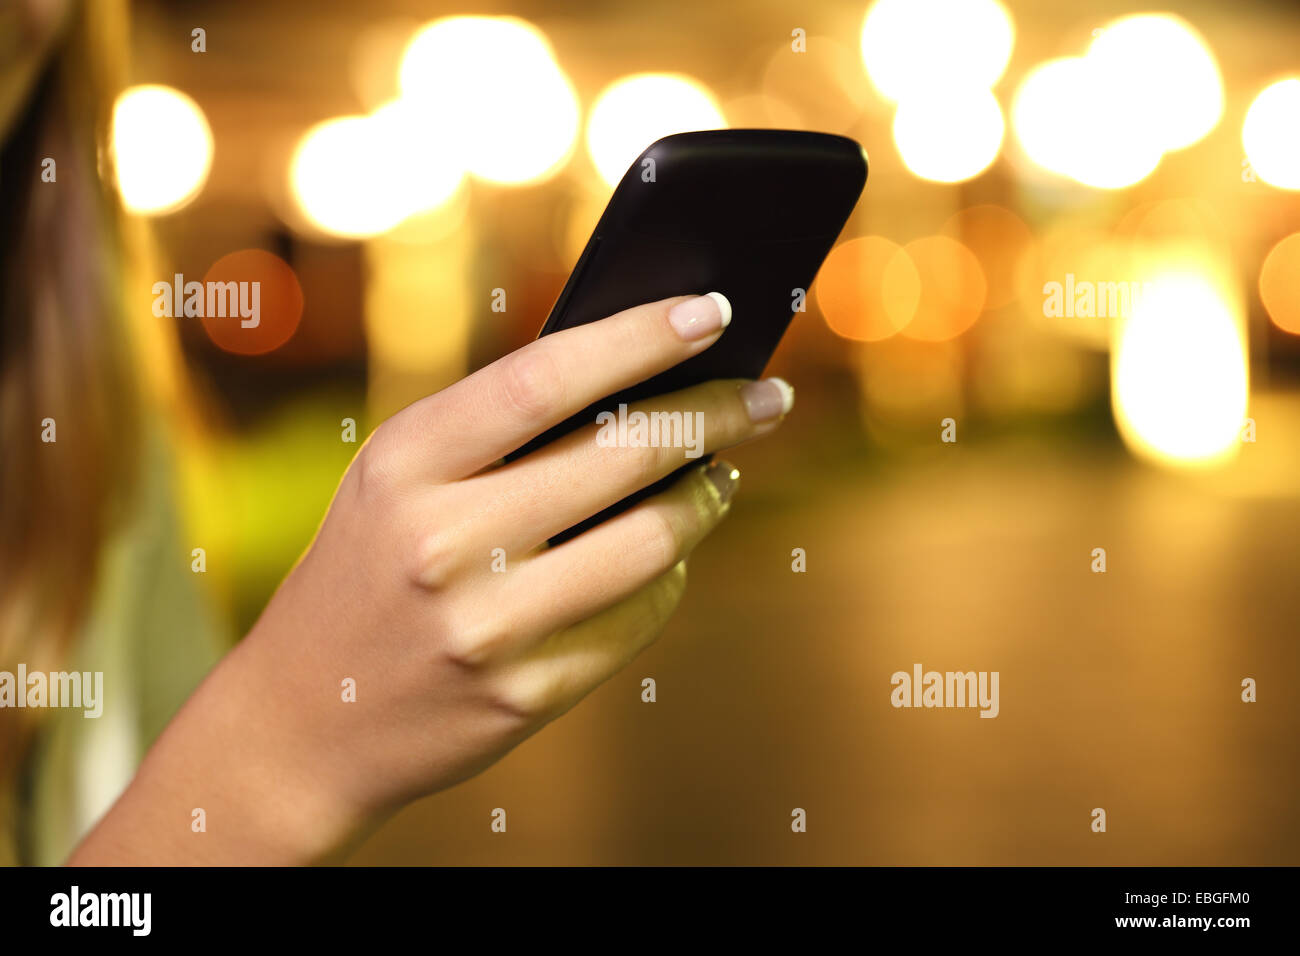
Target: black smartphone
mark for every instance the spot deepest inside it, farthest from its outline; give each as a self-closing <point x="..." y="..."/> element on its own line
<point x="750" y="213"/>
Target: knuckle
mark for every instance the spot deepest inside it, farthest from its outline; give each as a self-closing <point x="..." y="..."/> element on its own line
<point x="660" y="536"/>
<point x="527" y="700"/>
<point x="437" y="558"/>
<point x="475" y="645"/>
<point x="647" y="459"/>
<point x="374" y="467"/>
<point x="531" y="382"/>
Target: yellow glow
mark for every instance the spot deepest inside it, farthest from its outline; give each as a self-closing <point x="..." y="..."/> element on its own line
<point x="950" y="136"/>
<point x="359" y="176"/>
<point x="1147" y="85"/>
<point x="1179" y="373"/>
<point x="337" y="183"/>
<point x="1167" y="73"/>
<point x="1073" y="119"/>
<point x="492" y="85"/>
<point x="417" y="157"/>
<point x="914" y="46"/>
<point x="401" y="278"/>
<point x="633" y="112"/>
<point x="339" y="179"/>
<point x="162" y="148"/>
<point x="1271" y="134"/>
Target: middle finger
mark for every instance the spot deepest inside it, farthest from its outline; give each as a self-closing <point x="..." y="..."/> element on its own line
<point x="579" y="475"/>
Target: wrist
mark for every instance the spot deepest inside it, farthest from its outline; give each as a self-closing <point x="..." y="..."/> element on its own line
<point x="232" y="780"/>
<point x="271" y="767"/>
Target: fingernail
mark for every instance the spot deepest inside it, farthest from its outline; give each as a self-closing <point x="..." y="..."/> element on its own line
<point x="701" y="316"/>
<point x="725" y="478"/>
<point x="767" y="399"/>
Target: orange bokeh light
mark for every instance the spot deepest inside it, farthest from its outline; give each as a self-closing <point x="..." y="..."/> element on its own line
<point x="1279" y="284"/>
<point x="868" y="289"/>
<point x="953" y="289"/>
<point x="279" y="299"/>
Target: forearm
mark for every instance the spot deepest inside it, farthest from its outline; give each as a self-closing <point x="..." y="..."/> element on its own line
<point x="232" y="752"/>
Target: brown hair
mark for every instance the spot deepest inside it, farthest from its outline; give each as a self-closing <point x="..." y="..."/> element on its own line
<point x="66" y="351"/>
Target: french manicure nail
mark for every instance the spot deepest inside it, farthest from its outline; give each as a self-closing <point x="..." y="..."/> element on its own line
<point x="701" y="316"/>
<point x="767" y="399"/>
<point x="725" y="477"/>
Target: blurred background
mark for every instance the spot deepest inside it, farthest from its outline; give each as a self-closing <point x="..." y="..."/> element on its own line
<point x="1079" y="241"/>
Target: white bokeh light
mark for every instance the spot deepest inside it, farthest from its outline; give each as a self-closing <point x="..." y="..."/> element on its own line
<point x="493" y="85"/>
<point x="914" y="46"/>
<point x="1166" y="71"/>
<point x="949" y="136"/>
<point x="1271" y="134"/>
<point x="162" y="148"/>
<point x="339" y="177"/>
<point x="1075" y="121"/>
<point x="634" y="111"/>
<point x="1179" y="373"/>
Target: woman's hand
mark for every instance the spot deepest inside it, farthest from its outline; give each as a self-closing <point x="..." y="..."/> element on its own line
<point x="453" y="660"/>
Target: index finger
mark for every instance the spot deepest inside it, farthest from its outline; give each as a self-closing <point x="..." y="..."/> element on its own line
<point x="487" y="415"/>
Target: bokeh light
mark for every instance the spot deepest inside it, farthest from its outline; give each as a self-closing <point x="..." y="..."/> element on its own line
<point x="1073" y="120"/>
<point x="911" y="47"/>
<point x="1279" y="284"/>
<point x="1043" y="129"/>
<point x="340" y="179"/>
<point x="162" y="148"/>
<point x="279" y="302"/>
<point x="1147" y="85"/>
<point x="1179" y="371"/>
<point x="867" y="289"/>
<point x="1169" y="75"/>
<point x="633" y="112"/>
<point x="493" y="85"/>
<point x="1271" y="134"/>
<point x="953" y="289"/>
<point x="949" y="136"/>
<point x="418" y="156"/>
<point x="405" y="356"/>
